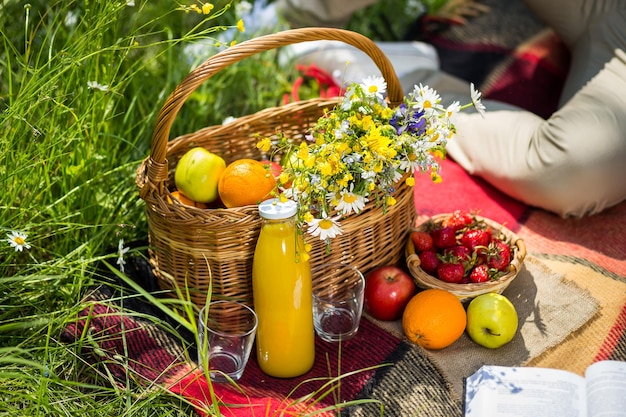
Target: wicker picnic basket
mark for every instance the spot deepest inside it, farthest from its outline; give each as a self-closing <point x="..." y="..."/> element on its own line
<point x="200" y="249"/>
<point x="466" y="292"/>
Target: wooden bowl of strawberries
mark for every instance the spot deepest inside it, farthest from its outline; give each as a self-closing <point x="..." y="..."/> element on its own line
<point x="464" y="253"/>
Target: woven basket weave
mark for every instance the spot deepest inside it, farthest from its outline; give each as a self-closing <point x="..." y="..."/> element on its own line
<point x="466" y="292"/>
<point x="193" y="248"/>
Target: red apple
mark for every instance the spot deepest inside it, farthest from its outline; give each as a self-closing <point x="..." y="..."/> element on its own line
<point x="388" y="289"/>
<point x="275" y="167"/>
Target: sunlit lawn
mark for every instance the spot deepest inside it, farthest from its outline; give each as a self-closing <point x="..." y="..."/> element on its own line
<point x="81" y="83"/>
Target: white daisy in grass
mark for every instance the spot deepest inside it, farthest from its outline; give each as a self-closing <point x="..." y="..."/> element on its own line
<point x="375" y="86"/>
<point x="121" y="251"/>
<point x="350" y="202"/>
<point x="17" y="240"/>
<point x="476" y="100"/>
<point x="95" y="85"/>
<point x="325" y="227"/>
<point x="426" y="99"/>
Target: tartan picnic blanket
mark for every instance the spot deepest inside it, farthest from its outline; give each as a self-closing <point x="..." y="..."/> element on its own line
<point x="379" y="364"/>
<point x="581" y="260"/>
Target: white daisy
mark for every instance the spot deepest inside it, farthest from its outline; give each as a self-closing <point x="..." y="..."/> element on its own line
<point x="410" y="163"/>
<point x="347" y="101"/>
<point x="375" y="86"/>
<point x="426" y="99"/>
<point x="452" y="109"/>
<point x="342" y="130"/>
<point x="18" y="241"/>
<point x="325" y="228"/>
<point x="350" y="202"/>
<point x="95" y="85"/>
<point x="476" y="100"/>
<point x="121" y="252"/>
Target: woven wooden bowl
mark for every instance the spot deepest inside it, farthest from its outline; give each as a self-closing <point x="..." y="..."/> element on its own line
<point x="466" y="292"/>
<point x="202" y="250"/>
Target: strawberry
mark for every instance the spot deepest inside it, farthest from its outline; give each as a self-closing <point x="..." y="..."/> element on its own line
<point x="451" y="271"/>
<point x="443" y="237"/>
<point x="499" y="256"/>
<point x="480" y="273"/>
<point x="422" y="241"/>
<point x="429" y="261"/>
<point x="473" y="238"/>
<point x="460" y="251"/>
<point x="458" y="220"/>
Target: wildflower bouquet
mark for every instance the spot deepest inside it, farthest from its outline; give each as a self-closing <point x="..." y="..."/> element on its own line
<point x="359" y="151"/>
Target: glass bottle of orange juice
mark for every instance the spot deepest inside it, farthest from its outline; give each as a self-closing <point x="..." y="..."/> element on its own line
<point x="281" y="285"/>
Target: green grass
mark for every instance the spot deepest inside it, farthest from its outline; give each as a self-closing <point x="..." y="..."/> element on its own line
<point x="81" y="83"/>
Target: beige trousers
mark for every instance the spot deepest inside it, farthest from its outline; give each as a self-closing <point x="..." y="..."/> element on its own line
<point x="573" y="163"/>
<point x="326" y="13"/>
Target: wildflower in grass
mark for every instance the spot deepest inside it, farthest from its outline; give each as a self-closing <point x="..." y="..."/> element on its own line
<point x="95" y="85"/>
<point x="243" y="8"/>
<point x="240" y="26"/>
<point x="71" y="19"/>
<point x="17" y="240"/>
<point x="207" y="8"/>
<point x="130" y="3"/>
<point x="121" y="251"/>
<point x="360" y="151"/>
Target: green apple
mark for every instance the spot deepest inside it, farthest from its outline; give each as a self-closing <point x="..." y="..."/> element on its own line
<point x="198" y="173"/>
<point x="491" y="320"/>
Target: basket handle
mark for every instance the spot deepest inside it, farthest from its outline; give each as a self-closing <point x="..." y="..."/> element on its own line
<point x="157" y="170"/>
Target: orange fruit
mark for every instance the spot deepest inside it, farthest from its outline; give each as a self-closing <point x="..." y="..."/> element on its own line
<point x="434" y="319"/>
<point x="184" y="200"/>
<point x="245" y="182"/>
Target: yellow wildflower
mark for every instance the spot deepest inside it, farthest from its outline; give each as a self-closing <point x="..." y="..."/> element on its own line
<point x="240" y="26"/>
<point x="207" y="8"/>
<point x="264" y="144"/>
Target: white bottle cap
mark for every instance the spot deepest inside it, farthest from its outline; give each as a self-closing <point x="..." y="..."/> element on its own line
<point x="274" y="209"/>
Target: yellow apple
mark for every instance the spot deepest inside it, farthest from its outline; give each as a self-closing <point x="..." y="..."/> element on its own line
<point x="491" y="320"/>
<point x="197" y="174"/>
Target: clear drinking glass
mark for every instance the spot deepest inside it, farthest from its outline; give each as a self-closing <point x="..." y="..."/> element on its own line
<point x="337" y="301"/>
<point x="226" y="331"/>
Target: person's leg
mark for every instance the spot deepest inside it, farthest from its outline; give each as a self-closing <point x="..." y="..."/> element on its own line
<point x="328" y="13"/>
<point x="592" y="29"/>
<point x="570" y="18"/>
<point x="572" y="164"/>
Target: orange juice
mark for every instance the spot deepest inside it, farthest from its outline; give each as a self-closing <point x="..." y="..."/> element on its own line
<point x="281" y="284"/>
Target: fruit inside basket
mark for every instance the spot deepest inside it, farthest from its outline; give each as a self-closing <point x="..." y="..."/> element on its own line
<point x="464" y="253"/>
